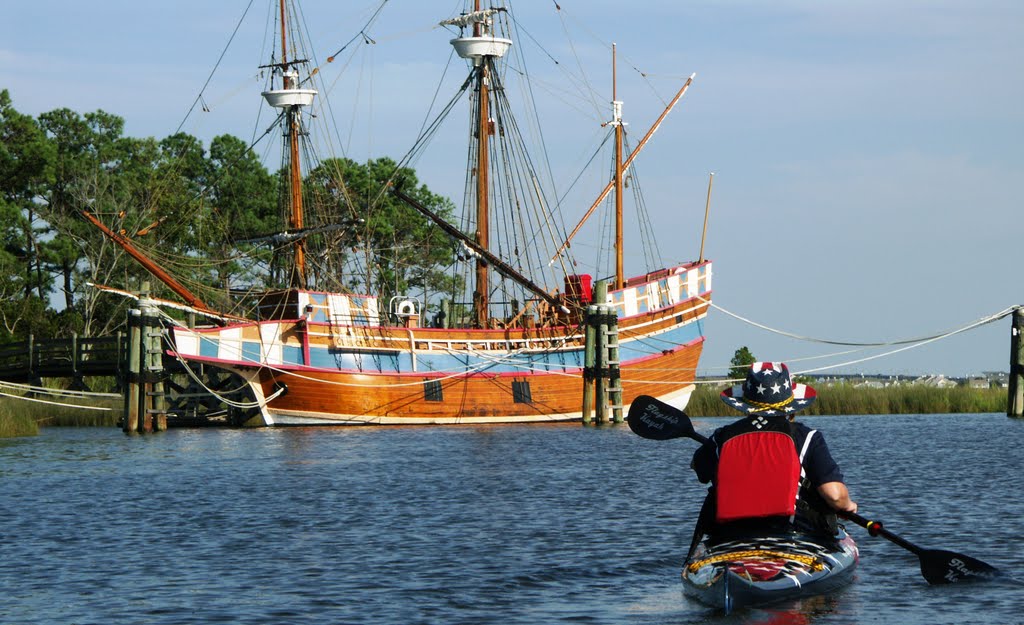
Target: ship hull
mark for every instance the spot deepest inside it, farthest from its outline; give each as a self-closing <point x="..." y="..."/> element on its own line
<point x="309" y="372"/>
<point x="325" y="398"/>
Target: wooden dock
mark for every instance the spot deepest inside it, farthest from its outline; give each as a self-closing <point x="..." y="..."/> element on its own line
<point x="28" y="362"/>
<point x="183" y="400"/>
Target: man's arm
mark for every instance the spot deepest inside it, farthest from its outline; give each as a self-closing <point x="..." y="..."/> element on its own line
<point x="837" y="496"/>
<point x="704" y="461"/>
<point x="822" y="468"/>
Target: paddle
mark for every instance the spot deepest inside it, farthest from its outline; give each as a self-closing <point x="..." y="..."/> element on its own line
<point x="654" y="419"/>
<point x="937" y="565"/>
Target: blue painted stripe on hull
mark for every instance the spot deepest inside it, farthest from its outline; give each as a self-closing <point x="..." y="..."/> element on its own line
<point x="495" y="362"/>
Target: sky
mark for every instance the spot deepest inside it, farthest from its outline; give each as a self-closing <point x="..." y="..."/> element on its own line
<point x="868" y="157"/>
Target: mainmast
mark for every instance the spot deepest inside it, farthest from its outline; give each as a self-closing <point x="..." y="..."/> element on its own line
<point x="480" y="296"/>
<point x="482" y="48"/>
<point x="625" y="165"/>
<point x="292" y="98"/>
<point x="620" y="279"/>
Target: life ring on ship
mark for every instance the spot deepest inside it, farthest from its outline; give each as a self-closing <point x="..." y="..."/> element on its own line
<point x="405" y="308"/>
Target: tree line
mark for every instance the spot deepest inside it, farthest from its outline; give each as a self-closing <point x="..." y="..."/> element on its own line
<point x="210" y="216"/>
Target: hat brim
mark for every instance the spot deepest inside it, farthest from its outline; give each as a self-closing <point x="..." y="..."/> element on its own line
<point x="803" y="397"/>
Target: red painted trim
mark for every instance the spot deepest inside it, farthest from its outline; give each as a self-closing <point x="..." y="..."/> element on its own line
<point x="305" y="344"/>
<point x="433" y="375"/>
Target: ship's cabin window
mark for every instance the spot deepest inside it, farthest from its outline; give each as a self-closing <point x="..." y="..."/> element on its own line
<point x="521" y="392"/>
<point x="432" y="391"/>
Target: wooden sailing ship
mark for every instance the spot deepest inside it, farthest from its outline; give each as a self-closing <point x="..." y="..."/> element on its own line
<point x="511" y="351"/>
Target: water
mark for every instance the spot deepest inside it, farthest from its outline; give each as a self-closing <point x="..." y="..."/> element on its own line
<point x="511" y="525"/>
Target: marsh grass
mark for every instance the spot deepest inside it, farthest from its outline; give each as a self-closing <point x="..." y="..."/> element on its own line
<point x="846" y="399"/>
<point x="14" y="424"/>
<point x="19" y="417"/>
<point x="24" y="418"/>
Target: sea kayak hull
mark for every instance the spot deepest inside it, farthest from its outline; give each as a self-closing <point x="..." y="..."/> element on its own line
<point x="758" y="570"/>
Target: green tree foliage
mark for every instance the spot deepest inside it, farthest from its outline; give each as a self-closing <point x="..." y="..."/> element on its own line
<point x="741" y="361"/>
<point x="25" y="167"/>
<point x="205" y="217"/>
<point x="214" y="200"/>
<point x="95" y="169"/>
<point x="388" y="247"/>
<point x="241" y="192"/>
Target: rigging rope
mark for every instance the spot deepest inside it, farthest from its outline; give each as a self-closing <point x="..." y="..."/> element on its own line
<point x="206" y="84"/>
<point x="513" y="358"/>
<point x="40" y="390"/>
<point x="980" y="322"/>
<point x="220" y="397"/>
<point x="907" y="344"/>
<point x="55" y="403"/>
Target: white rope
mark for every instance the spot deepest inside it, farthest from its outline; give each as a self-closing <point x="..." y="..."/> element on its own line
<point x="908" y="343"/>
<point x="483" y="366"/>
<point x="219" y="396"/>
<point x="513" y="359"/>
<point x="42" y="390"/>
<point x="920" y="340"/>
<point x="163" y="302"/>
<point x="56" y="403"/>
<point x="487" y="361"/>
<point x="888" y="353"/>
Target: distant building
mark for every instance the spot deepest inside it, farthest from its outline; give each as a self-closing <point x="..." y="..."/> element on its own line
<point x="869" y="380"/>
<point x="870" y="383"/>
<point x="935" y="381"/>
<point x="1000" y="379"/>
<point x="985" y="379"/>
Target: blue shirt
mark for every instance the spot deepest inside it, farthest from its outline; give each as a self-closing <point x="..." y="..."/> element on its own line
<point x="818" y="463"/>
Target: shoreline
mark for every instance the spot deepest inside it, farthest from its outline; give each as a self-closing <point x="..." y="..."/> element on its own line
<point x="20" y="418"/>
<point x="846" y="399"/>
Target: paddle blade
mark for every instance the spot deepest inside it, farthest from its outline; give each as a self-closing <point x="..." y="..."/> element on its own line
<point x="656" y="420"/>
<point x="947" y="567"/>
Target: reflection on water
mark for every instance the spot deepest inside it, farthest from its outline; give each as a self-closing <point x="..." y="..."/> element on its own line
<point x="800" y="612"/>
<point x="519" y="524"/>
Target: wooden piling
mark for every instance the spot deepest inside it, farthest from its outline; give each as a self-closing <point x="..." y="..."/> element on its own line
<point x="154" y="405"/>
<point x="1015" y="389"/>
<point x="595" y="356"/>
<point x="33" y="377"/>
<point x="601" y="366"/>
<point x="589" y="358"/>
<point x="614" y="377"/>
<point x="76" y="372"/>
<point x="132" y="390"/>
<point x="122" y="363"/>
<point x="145" y="407"/>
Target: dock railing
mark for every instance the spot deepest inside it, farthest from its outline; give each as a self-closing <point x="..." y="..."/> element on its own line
<point x="77" y="357"/>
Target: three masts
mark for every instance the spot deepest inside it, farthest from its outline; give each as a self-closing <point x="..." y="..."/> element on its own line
<point x="339" y="358"/>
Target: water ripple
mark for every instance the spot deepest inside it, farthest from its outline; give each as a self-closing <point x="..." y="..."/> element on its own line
<point x="517" y="525"/>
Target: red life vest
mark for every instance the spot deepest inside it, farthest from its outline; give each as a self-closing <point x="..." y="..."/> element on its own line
<point x="758" y="476"/>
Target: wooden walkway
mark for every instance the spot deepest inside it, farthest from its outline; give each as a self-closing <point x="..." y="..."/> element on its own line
<point x="186" y="400"/>
<point x="30" y="361"/>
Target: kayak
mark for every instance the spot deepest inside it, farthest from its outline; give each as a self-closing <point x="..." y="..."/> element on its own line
<point x="756" y="570"/>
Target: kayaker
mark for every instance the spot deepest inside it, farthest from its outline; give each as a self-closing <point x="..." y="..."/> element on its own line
<point x="769" y="472"/>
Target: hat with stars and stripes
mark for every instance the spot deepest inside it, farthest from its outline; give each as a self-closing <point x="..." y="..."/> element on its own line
<point x="769" y="391"/>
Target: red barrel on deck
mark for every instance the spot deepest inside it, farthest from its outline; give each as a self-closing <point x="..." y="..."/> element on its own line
<point x="578" y="287"/>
